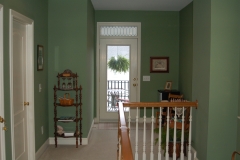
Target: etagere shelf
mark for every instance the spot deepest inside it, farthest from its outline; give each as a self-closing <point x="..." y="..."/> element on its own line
<point x="68" y="82"/>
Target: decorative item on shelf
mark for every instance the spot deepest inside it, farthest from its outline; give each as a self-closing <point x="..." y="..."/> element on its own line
<point x="119" y="64"/>
<point x="159" y="64"/>
<point x="168" y="85"/>
<point x="67" y="118"/>
<point x="68" y="133"/>
<point x="69" y="86"/>
<point x="60" y="130"/>
<point x="63" y="85"/>
<point x="66" y="101"/>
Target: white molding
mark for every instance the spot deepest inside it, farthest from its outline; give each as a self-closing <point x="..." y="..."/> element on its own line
<point x="42" y="149"/>
<point x="3" y="150"/>
<point x="15" y="16"/>
<point x="67" y="141"/>
<point x="193" y="153"/>
<point x="90" y="131"/>
<point x="138" y="37"/>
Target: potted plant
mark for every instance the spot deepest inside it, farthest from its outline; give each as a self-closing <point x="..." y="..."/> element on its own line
<point x="171" y="138"/>
<point x="119" y="64"/>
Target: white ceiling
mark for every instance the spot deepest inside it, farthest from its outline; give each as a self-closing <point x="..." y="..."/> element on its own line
<point x="140" y="5"/>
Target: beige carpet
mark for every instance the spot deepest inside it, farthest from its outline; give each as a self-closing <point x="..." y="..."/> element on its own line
<point x="102" y="145"/>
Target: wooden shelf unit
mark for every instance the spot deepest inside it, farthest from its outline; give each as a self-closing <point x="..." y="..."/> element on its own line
<point x="72" y="85"/>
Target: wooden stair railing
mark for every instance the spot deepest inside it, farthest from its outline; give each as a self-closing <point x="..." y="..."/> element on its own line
<point x="124" y="144"/>
<point x="234" y="153"/>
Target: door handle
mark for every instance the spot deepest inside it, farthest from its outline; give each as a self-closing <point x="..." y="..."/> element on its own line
<point x="134" y="85"/>
<point x="26" y="103"/>
<point x="2" y="120"/>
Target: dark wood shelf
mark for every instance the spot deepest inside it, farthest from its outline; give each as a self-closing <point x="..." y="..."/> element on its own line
<point x="73" y="105"/>
<point x="68" y="79"/>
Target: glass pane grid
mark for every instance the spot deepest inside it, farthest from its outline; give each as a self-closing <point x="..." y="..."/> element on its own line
<point x="118" y="31"/>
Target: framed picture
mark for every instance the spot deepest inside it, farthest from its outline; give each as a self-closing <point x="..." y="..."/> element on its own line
<point x="168" y="85"/>
<point x="40" y="57"/>
<point x="159" y="64"/>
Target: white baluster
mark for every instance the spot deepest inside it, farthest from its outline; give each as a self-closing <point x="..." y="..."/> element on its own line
<point x="160" y="135"/>
<point x="167" y="136"/>
<point x="144" y="134"/>
<point x="182" y="137"/>
<point x="136" y="137"/>
<point x="152" y="135"/>
<point x="174" y="135"/>
<point x="190" y="135"/>
<point x="129" y="120"/>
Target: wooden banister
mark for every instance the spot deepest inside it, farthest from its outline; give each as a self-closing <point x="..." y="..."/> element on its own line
<point x="234" y="153"/>
<point x="161" y="104"/>
<point x="123" y="135"/>
<point x="124" y="147"/>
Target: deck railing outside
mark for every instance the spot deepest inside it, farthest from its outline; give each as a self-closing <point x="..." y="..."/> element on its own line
<point x="126" y="149"/>
<point x="116" y="89"/>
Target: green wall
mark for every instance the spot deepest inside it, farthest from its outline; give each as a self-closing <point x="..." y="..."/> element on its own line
<point x="37" y="11"/>
<point x="216" y="76"/>
<point x="186" y="51"/>
<point x="71" y="46"/>
<point x="159" y="37"/>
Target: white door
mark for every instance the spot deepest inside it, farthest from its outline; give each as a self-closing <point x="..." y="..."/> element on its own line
<point x="2" y="134"/>
<point x="109" y="90"/>
<point x="19" y="91"/>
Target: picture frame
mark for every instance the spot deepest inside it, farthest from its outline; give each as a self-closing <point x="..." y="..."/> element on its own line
<point x="168" y="85"/>
<point x="159" y="64"/>
<point x="40" y="58"/>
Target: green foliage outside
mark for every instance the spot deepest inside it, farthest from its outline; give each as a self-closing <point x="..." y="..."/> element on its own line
<point x="121" y="64"/>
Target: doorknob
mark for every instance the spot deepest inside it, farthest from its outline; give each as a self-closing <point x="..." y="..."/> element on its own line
<point x="2" y="120"/>
<point x="135" y="85"/>
<point x="26" y="103"/>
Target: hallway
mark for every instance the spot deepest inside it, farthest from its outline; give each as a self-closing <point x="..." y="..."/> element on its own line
<point x="102" y="146"/>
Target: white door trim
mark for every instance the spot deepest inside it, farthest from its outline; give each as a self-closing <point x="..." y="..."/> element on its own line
<point x="3" y="151"/>
<point x="138" y="37"/>
<point x="29" y="80"/>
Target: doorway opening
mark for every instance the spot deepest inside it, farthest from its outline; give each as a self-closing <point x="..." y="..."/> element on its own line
<point x="21" y="57"/>
<point x="117" y="42"/>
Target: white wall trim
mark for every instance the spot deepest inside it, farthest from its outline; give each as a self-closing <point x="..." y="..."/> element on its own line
<point x="67" y="141"/>
<point x="72" y="141"/>
<point x="3" y="150"/>
<point x="13" y="15"/>
<point x="138" y="37"/>
<point x="42" y="149"/>
<point x="90" y="131"/>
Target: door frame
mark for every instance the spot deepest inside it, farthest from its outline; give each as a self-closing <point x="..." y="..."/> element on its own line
<point x="138" y="37"/>
<point x="29" y="80"/>
<point x="2" y="147"/>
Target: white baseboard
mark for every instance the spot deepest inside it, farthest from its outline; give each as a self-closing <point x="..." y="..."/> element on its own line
<point x="90" y="131"/>
<point x="42" y="149"/>
<point x="72" y="141"/>
<point x="68" y="141"/>
<point x="194" y="154"/>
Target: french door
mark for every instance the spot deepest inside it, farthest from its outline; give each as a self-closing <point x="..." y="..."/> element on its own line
<point x="115" y="86"/>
